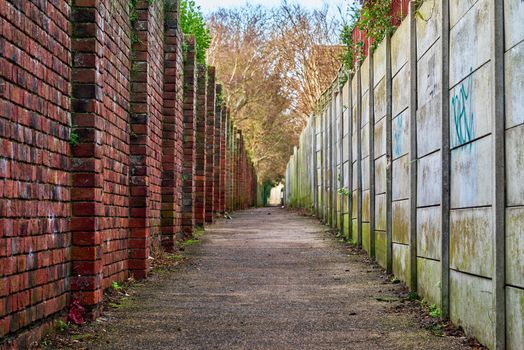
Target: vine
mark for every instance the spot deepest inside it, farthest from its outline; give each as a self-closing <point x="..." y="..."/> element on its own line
<point x="372" y="17"/>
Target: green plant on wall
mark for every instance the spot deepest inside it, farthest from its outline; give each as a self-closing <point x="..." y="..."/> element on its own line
<point x="344" y="192"/>
<point x="372" y="17"/>
<point x="192" y="22"/>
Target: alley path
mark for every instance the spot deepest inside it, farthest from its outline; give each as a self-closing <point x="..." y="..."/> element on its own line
<point x="268" y="279"/>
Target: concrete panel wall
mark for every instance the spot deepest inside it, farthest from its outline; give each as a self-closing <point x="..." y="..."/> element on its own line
<point x="432" y="155"/>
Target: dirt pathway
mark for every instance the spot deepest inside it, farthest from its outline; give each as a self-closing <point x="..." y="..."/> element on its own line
<point x="276" y="281"/>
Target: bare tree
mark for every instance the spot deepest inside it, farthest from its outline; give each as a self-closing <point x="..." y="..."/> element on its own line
<point x="274" y="64"/>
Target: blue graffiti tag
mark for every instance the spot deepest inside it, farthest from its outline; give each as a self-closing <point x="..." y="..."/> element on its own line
<point x="397" y="136"/>
<point x="463" y="117"/>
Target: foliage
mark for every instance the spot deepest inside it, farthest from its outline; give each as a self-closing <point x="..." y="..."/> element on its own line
<point x="434" y="311"/>
<point x="192" y="22"/>
<point x="74" y="139"/>
<point x="61" y="326"/>
<point x="273" y="63"/>
<point x="412" y="296"/>
<point x="116" y="286"/>
<point x="266" y="192"/>
<point x="374" y="18"/>
<point x="344" y="191"/>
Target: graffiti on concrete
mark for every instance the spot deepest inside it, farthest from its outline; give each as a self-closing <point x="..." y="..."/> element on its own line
<point x="398" y="131"/>
<point x="462" y="113"/>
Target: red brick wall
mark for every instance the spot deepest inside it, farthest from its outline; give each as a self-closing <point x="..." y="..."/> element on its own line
<point x="223" y="159"/>
<point x="172" y="130"/>
<point x="98" y="152"/>
<point x="115" y="72"/>
<point x="188" y="167"/>
<point x="210" y="145"/>
<point x="200" y="142"/>
<point x="146" y="139"/>
<point x="218" y="152"/>
<point x="35" y="159"/>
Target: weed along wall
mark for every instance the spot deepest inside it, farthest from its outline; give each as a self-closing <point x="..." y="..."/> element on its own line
<point x="114" y="144"/>
<point x="418" y="158"/>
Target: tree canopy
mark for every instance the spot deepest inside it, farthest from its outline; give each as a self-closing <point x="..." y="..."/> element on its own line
<point x="274" y="63"/>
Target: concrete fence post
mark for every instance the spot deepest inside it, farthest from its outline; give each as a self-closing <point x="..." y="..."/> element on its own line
<point x="371" y="156"/>
<point x="341" y="152"/>
<point x="389" y="157"/>
<point x="315" y="165"/>
<point x="413" y="156"/>
<point x="332" y="162"/>
<point x="499" y="186"/>
<point x="446" y="158"/>
<point x="350" y="157"/>
<point x="359" y="156"/>
<point x="324" y="167"/>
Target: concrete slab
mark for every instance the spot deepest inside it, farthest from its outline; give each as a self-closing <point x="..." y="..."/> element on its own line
<point x="401" y="262"/>
<point x="513" y="24"/>
<point x="515" y="165"/>
<point x="471" y="174"/>
<point x="471" y="241"/>
<point x="515" y="246"/>
<point x="400" y="222"/>
<point x="428" y="280"/>
<point x="475" y="316"/>
<point x="514" y="85"/>
<point x="429" y="234"/>
<point x="470" y="39"/>
<point x="514" y="318"/>
<point x="429" y="180"/>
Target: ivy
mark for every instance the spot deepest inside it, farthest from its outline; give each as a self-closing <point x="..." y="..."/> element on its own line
<point x="192" y="22"/>
<point x="372" y="17"/>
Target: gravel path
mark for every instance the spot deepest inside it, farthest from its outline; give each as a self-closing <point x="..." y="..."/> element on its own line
<point x="268" y="279"/>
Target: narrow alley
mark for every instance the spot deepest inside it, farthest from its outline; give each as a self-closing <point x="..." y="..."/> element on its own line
<point x="269" y="279"/>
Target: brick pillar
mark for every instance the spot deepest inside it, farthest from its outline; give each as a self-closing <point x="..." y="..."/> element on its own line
<point x="238" y="169"/>
<point x="218" y="150"/>
<point x="236" y="174"/>
<point x="86" y="192"/>
<point x="172" y="132"/>
<point x="200" y="166"/>
<point x="229" y="164"/>
<point x="139" y="241"/>
<point x="223" y="159"/>
<point x="188" y="167"/>
<point x="210" y="145"/>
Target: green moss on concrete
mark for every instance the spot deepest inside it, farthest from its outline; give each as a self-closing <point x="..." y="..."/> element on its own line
<point x="471" y="305"/>
<point x="380" y="248"/>
<point x="345" y="231"/>
<point x="400" y="223"/>
<point x="365" y="237"/>
<point x="401" y="262"/>
<point x="429" y="281"/>
<point x="515" y="318"/>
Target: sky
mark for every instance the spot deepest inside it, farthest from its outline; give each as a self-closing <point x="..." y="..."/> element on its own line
<point x="211" y="5"/>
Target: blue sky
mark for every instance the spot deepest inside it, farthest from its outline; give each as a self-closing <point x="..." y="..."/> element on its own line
<point x="211" y="5"/>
